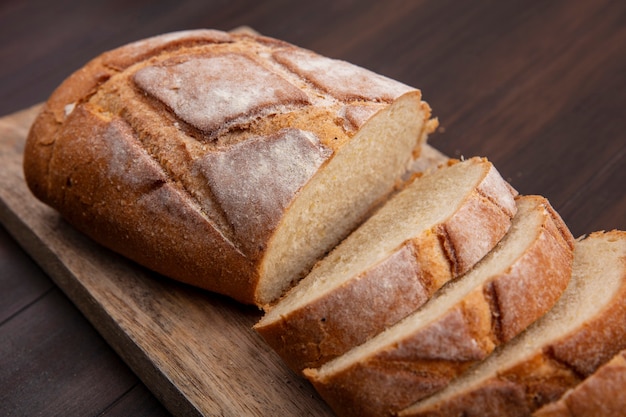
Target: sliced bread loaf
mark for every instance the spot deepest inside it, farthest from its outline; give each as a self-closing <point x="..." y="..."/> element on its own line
<point x="511" y="287"/>
<point x="432" y="231"/>
<point x="585" y="329"/>
<point x="227" y="161"/>
<point x="602" y="394"/>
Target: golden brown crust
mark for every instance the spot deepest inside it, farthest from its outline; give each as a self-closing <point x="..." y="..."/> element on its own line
<point x="602" y="394"/>
<point x="566" y="362"/>
<point x="312" y="335"/>
<point x="427" y="359"/>
<point x="496" y="399"/>
<point x="484" y="213"/>
<point x="321" y="331"/>
<point x="592" y="346"/>
<point x="149" y="211"/>
<point x="175" y="125"/>
<point x="546" y="373"/>
<point x="553" y="250"/>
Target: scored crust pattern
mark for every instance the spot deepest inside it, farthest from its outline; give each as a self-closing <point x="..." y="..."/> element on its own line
<point x="210" y="92"/>
<point x="217" y="87"/>
<point x="202" y="105"/>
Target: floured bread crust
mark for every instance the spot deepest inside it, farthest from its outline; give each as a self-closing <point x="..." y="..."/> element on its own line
<point x="422" y="354"/>
<point x="185" y="151"/>
<point x="601" y="394"/>
<point x="553" y="355"/>
<point x="402" y="281"/>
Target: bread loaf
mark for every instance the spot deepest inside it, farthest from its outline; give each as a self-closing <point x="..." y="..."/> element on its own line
<point x="236" y="162"/>
<point x="434" y="230"/>
<point x="584" y="330"/>
<point x="601" y="394"/>
<point x="228" y="161"/>
<point x="510" y="288"/>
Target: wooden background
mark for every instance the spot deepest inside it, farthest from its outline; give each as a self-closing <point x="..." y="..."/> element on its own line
<point x="539" y="87"/>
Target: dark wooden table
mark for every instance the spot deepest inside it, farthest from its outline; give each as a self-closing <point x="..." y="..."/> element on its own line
<point x="539" y="87"/>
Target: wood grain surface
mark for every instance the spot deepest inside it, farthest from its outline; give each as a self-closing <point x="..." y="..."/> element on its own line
<point x="537" y="87"/>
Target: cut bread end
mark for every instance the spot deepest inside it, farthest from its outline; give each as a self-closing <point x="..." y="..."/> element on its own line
<point x="361" y="174"/>
<point x="392" y="264"/>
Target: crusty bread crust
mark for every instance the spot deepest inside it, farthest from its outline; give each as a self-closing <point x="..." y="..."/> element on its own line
<point x="546" y="373"/>
<point x="166" y="150"/>
<point x="601" y="394"/>
<point x="424" y="361"/>
<point x="321" y="330"/>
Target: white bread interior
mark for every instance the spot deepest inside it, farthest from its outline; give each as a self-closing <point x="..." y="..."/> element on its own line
<point x="339" y="196"/>
<point x="404" y="217"/>
<point x="504" y="254"/>
<point x="599" y="273"/>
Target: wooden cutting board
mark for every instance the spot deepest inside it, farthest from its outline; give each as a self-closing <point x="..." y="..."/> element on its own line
<point x="194" y="350"/>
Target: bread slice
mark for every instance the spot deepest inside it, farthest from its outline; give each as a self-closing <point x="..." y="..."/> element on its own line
<point x="227" y="161"/>
<point x="585" y="329"/>
<point x="601" y="394"/>
<point x="434" y="230"/>
<point x="511" y="287"/>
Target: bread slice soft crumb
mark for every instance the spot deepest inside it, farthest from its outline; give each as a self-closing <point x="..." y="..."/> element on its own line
<point x="515" y="284"/>
<point x="583" y="331"/>
<point x="429" y="233"/>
